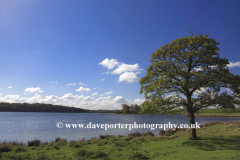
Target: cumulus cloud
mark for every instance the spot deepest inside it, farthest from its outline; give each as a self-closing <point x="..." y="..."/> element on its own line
<point x="1" y="94"/>
<point x="102" y="79"/>
<point x="110" y="64"/>
<point x="127" y="72"/>
<point x="81" y="89"/>
<point x="126" y="68"/>
<point x="139" y="101"/>
<point x="232" y="64"/>
<point x="120" y="99"/>
<point x="34" y="90"/>
<point x="95" y="94"/>
<point x="129" y="77"/>
<point x="107" y="93"/>
<point x="10" y="87"/>
<point x="86" y="102"/>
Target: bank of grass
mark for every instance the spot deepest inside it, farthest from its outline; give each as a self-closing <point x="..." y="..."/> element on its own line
<point x="217" y="113"/>
<point x="217" y="141"/>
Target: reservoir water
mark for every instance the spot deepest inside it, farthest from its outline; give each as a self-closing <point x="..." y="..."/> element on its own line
<point x="25" y="126"/>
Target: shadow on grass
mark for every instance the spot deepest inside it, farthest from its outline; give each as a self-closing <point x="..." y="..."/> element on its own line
<point x="215" y="143"/>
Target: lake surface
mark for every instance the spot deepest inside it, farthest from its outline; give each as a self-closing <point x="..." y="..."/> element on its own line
<point x="25" y="126"/>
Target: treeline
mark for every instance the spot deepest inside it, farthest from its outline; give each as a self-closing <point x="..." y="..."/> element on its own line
<point x="133" y="108"/>
<point x="39" y="107"/>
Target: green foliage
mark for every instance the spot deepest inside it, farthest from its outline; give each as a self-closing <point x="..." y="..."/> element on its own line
<point x="185" y="66"/>
<point x="6" y="147"/>
<point x="20" y="149"/>
<point x="38" y="107"/>
<point x="138" y="155"/>
<point x="35" y="142"/>
<point x="134" y="108"/>
<point x="148" y="133"/>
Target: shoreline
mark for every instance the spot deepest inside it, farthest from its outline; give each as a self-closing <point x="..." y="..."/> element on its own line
<point x="221" y="138"/>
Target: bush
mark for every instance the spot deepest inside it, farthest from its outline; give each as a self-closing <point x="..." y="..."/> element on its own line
<point x="99" y="154"/>
<point x="20" y="149"/>
<point x="170" y="132"/>
<point x="90" y="154"/>
<point x="35" y="142"/>
<point x="71" y="143"/>
<point x="135" y="134"/>
<point x="6" y="147"/>
<point x="148" y="133"/>
<point x="102" y="142"/>
<point x="56" y="147"/>
<point x="161" y="132"/>
<point x="210" y="124"/>
<point x="137" y="155"/>
<point x="105" y="136"/>
<point x="128" y="138"/>
<point x="119" y="143"/>
<point x="59" y="139"/>
<point x="16" y="143"/>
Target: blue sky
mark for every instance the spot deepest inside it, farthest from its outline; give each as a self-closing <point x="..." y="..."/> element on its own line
<point x="92" y="53"/>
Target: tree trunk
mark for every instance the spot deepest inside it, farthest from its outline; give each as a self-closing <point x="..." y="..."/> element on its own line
<point x="192" y="121"/>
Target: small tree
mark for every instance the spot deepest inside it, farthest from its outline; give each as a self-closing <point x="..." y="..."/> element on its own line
<point x="135" y="108"/>
<point x="125" y="108"/>
<point x="185" y="66"/>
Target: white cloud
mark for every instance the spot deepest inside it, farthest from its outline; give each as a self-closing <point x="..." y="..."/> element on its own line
<point x="81" y="89"/>
<point x="126" y="68"/>
<point x="69" y="99"/>
<point x="110" y="64"/>
<point x="74" y="84"/>
<point x="102" y="79"/>
<point x="1" y="94"/>
<point x="129" y="77"/>
<point x="68" y="96"/>
<point x="10" y="87"/>
<point x="54" y="82"/>
<point x="127" y="72"/>
<point x="232" y="64"/>
<point x="120" y="99"/>
<point x="139" y="101"/>
<point x="107" y="93"/>
<point x="95" y="94"/>
<point x="34" y="90"/>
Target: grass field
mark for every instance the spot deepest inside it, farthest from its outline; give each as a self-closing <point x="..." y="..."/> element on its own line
<point x="217" y="113"/>
<point x="217" y="141"/>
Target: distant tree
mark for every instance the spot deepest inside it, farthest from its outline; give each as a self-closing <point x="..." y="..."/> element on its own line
<point x="37" y="107"/>
<point x="183" y="67"/>
<point x="125" y="108"/>
<point x="135" y="108"/>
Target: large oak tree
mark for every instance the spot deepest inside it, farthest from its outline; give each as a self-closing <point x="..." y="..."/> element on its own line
<point x="182" y="68"/>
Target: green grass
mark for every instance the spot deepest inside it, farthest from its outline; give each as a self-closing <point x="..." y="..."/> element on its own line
<point x="217" y="113"/>
<point x="217" y="141"/>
